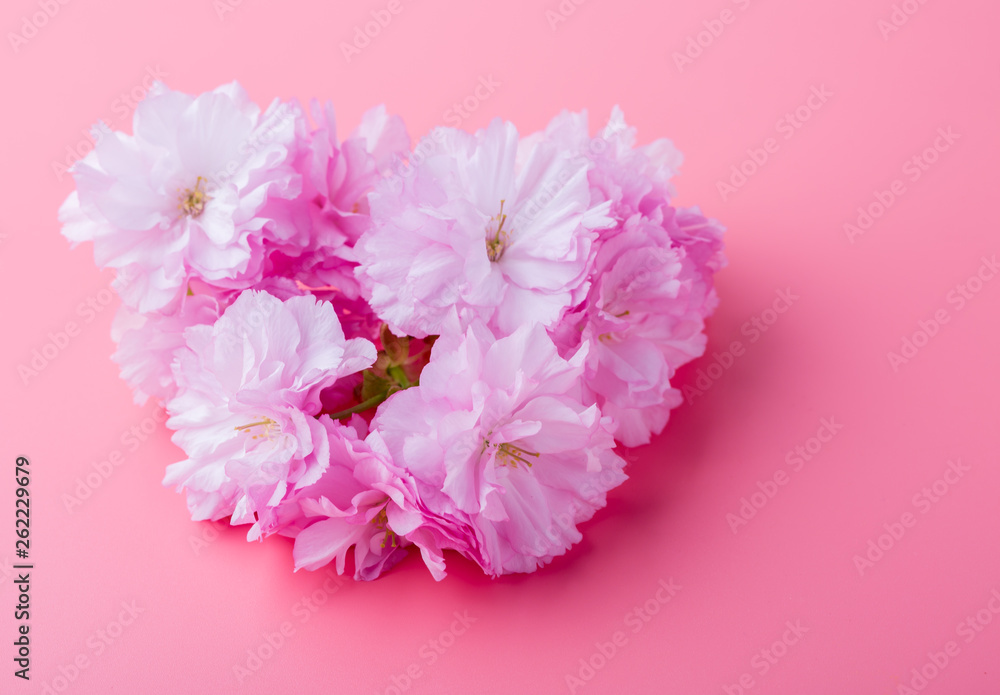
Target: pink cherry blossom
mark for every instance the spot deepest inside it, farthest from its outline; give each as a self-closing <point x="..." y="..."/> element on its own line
<point x="634" y="179"/>
<point x="248" y="391"/>
<point x="644" y="319"/>
<point x="498" y="440"/>
<point x="332" y="212"/>
<point x="652" y="284"/>
<point x="187" y="195"/>
<point x="477" y="231"/>
<point x="363" y="501"/>
<point x="484" y="316"/>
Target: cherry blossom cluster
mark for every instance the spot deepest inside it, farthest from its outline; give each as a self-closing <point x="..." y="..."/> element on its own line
<point x="367" y="347"/>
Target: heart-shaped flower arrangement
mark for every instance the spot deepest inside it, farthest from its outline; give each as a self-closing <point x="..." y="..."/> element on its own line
<point x="368" y="347"/>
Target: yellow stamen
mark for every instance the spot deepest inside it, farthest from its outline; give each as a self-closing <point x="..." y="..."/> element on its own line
<point x="510" y="454"/>
<point x="381" y="521"/>
<point x="193" y="200"/>
<point x="267" y="424"/>
<point x="496" y="245"/>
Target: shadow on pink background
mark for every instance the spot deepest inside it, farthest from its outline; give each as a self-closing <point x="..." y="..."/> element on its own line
<point x="730" y="562"/>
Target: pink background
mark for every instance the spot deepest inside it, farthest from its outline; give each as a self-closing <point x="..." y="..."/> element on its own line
<point x="207" y="597"/>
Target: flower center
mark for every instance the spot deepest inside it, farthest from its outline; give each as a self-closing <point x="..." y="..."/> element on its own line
<point x="193" y="200"/>
<point x="609" y="337"/>
<point x="497" y="237"/>
<point x="510" y="454"/>
<point x="268" y="428"/>
<point x="381" y="522"/>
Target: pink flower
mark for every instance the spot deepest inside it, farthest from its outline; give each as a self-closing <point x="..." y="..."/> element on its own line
<point x="363" y="501"/>
<point x="644" y="318"/>
<point x="652" y="284"/>
<point x="500" y="444"/>
<point x="187" y="195"/>
<point x="337" y="178"/>
<point x="147" y="343"/>
<point x="634" y="179"/>
<point x="248" y="391"/>
<point x="514" y="305"/>
<point x="342" y="174"/>
<point x="480" y="231"/>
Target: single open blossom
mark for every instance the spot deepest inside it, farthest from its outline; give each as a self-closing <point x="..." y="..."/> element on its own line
<point x="652" y="283"/>
<point x="365" y="503"/>
<point x="187" y="195"/>
<point x="643" y="319"/>
<point x="480" y="231"/>
<point x="498" y="440"/>
<point x="248" y="392"/>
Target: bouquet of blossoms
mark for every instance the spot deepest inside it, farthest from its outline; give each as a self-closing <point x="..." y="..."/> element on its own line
<point x="366" y="347"/>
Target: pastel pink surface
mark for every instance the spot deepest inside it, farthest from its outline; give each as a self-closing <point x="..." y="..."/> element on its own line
<point x="209" y="601"/>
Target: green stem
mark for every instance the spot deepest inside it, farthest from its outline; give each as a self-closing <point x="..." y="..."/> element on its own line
<point x="361" y="407"/>
<point x="397" y="373"/>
